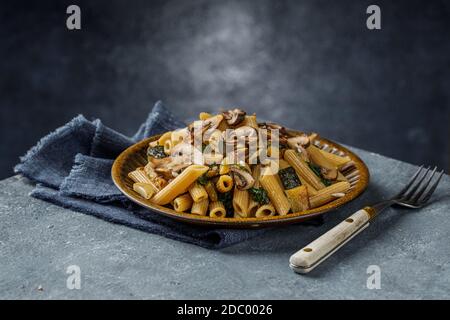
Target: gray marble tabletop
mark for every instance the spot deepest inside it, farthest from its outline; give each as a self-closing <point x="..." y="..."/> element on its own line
<point x="40" y="241"/>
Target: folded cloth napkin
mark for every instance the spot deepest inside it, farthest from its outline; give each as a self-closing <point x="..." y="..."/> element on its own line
<point x="72" y="168"/>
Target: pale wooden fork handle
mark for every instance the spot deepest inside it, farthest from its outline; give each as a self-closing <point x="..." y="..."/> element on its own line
<point x="306" y="259"/>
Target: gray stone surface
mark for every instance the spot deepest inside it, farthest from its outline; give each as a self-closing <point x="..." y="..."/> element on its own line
<point x="38" y="241"/>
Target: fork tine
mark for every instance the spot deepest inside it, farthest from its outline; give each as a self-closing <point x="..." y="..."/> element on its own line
<point x="410" y="182"/>
<point x="423" y="187"/>
<point x="415" y="185"/>
<point x="427" y="196"/>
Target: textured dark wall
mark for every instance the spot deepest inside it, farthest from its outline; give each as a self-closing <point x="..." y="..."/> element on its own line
<point x="311" y="65"/>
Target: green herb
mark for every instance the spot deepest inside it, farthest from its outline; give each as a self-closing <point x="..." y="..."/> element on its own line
<point x="227" y="199"/>
<point x="289" y="178"/>
<point x="156" y="152"/>
<point x="316" y="169"/>
<point x="203" y="179"/>
<point x="259" y="195"/>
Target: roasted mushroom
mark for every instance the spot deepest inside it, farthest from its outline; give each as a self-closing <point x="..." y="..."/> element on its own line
<point x="329" y="173"/>
<point x="234" y="117"/>
<point x="242" y="178"/>
<point x="298" y="141"/>
<point x="275" y="126"/>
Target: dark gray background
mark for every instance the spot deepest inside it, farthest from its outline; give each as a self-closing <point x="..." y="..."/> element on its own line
<point x="311" y="65"/>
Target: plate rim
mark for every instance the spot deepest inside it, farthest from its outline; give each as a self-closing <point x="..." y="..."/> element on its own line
<point x="252" y="222"/>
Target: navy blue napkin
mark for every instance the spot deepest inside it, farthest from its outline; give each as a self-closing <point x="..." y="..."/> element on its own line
<point x="72" y="168"/>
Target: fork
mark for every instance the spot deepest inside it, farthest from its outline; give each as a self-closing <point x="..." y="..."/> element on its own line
<point x="415" y="194"/>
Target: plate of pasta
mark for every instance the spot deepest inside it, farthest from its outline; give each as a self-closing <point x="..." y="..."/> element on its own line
<point x="230" y="170"/>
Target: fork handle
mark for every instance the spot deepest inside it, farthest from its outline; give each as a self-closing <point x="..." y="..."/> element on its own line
<point x="306" y="259"/>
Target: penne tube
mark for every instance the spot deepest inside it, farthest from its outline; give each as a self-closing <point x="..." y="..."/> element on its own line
<point x="302" y="169"/>
<point x="224" y="184"/>
<point x="240" y="202"/>
<point x="168" y="146"/>
<point x="319" y="159"/>
<point x="200" y="208"/>
<point x="298" y="197"/>
<point x="310" y="188"/>
<point x="179" y="136"/>
<point x="153" y="144"/>
<point x="253" y="206"/>
<point x="204" y="115"/>
<point x="211" y="190"/>
<point x="249" y="121"/>
<point x="146" y="190"/>
<point x="328" y="194"/>
<point x="150" y="171"/>
<point x="197" y="192"/>
<point x="266" y="210"/>
<point x="217" y="209"/>
<point x="182" y="203"/>
<point x="224" y="169"/>
<point x="275" y="191"/>
<point x="283" y="164"/>
<point x="166" y="136"/>
<point x="338" y="161"/>
<point x="180" y="184"/>
<point x="256" y="173"/>
<point x="139" y="175"/>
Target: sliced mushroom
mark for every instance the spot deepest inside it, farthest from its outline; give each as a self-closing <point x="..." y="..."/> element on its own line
<point x="275" y="126"/>
<point x="242" y="178"/>
<point x="166" y="173"/>
<point x="329" y="173"/>
<point x="298" y="141"/>
<point x="157" y="163"/>
<point x="234" y="117"/>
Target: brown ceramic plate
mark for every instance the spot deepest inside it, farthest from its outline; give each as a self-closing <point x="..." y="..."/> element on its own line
<point x="135" y="156"/>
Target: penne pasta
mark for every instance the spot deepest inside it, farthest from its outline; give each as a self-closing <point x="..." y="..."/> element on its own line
<point x="249" y="121"/>
<point x="253" y="206"/>
<point x="200" y="208"/>
<point x="180" y="184"/>
<point x="211" y="190"/>
<point x="318" y="158"/>
<point x="241" y="166"/>
<point x="328" y="194"/>
<point x="302" y="169"/>
<point x="139" y="175"/>
<point x="204" y="115"/>
<point x="298" y="197"/>
<point x="166" y="136"/>
<point x="310" y="188"/>
<point x="225" y="183"/>
<point x="167" y="146"/>
<point x="179" y="136"/>
<point x="197" y="192"/>
<point x="146" y="190"/>
<point x="336" y="160"/>
<point x="266" y="210"/>
<point x="240" y="202"/>
<point x="275" y="191"/>
<point x="256" y="173"/>
<point x="182" y="203"/>
<point x="217" y="209"/>
<point x="224" y="169"/>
